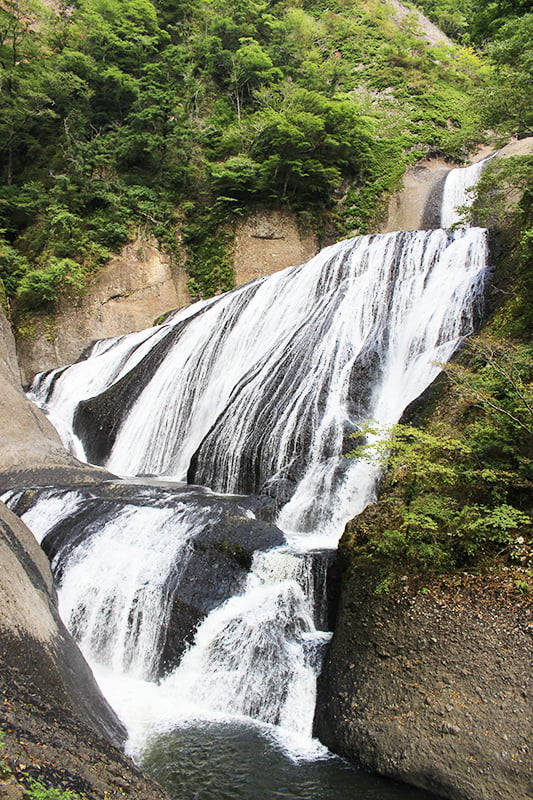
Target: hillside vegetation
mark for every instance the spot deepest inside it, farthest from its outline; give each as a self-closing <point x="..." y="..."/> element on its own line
<point x="120" y="116"/>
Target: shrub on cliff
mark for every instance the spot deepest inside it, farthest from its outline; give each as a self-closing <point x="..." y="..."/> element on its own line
<point x="457" y="493"/>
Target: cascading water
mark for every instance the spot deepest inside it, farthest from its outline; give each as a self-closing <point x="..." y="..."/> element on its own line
<point x="259" y="390"/>
<point x="458" y="192"/>
<point x="255" y="393"/>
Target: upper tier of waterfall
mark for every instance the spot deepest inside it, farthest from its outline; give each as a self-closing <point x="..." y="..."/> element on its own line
<point x="259" y="390"/>
<point x="458" y="192"/>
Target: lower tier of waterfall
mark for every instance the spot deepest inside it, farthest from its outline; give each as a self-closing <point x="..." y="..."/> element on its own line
<point x="190" y="595"/>
<point x="205" y="630"/>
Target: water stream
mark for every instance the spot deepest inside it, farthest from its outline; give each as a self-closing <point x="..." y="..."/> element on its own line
<point x="196" y="586"/>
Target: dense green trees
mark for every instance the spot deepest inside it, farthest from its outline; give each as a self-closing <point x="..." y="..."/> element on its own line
<point x="473" y="21"/>
<point x="296" y="148"/>
<point x="505" y="101"/>
<point x="502" y="30"/>
<point x="117" y="116"/>
<point x="120" y="116"/>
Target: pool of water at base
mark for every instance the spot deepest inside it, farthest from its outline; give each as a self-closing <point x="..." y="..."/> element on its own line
<point x="235" y="761"/>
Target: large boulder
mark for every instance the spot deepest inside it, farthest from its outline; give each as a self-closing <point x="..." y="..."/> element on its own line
<point x="433" y="687"/>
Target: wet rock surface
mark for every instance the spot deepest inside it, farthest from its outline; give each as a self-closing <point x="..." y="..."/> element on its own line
<point x="432" y="688"/>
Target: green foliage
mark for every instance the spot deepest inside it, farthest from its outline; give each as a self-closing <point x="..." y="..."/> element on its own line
<point x="38" y="791"/>
<point x="209" y="263"/>
<point x="456" y="502"/>
<point x="297" y="149"/>
<point x="473" y="21"/>
<point x="504" y="201"/>
<point x="505" y="97"/>
<point x="33" y="790"/>
<point x="44" y="285"/>
<point x="5" y="769"/>
<point x="452" y="16"/>
<point x="488" y="18"/>
<point x="121" y="116"/>
<point x="12" y="266"/>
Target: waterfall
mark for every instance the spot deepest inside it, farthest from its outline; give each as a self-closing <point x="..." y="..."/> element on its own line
<point x="259" y="390"/>
<point x="254" y="655"/>
<point x="255" y="395"/>
<point x="458" y="192"/>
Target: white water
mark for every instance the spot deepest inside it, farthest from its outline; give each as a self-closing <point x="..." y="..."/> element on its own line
<point x="263" y="384"/>
<point x="459" y="193"/>
<point x="117" y="607"/>
<point x="260" y="382"/>
<point x="46" y="513"/>
<point x="256" y="655"/>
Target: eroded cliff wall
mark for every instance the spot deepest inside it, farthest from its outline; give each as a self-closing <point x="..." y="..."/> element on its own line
<point x="142" y="283"/>
<point x="127" y="295"/>
<point x="267" y="241"/>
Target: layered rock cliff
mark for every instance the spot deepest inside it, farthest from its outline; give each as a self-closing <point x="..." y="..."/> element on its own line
<point x="142" y="283"/>
<point x="127" y="295"/>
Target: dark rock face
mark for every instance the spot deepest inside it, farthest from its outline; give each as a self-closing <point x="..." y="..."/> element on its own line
<point x="217" y="570"/>
<point x="432" y="690"/>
